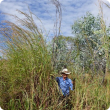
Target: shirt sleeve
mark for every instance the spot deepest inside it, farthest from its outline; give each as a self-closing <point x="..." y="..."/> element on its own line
<point x="71" y="85"/>
<point x="57" y="79"/>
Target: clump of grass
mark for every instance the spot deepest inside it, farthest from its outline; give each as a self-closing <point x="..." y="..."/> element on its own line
<point x="28" y="63"/>
<point x="90" y="94"/>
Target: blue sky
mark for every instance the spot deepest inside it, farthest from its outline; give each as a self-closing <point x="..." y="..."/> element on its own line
<point x="45" y="10"/>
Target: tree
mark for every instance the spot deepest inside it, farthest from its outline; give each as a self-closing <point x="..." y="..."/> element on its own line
<point x="61" y="56"/>
<point x="88" y="41"/>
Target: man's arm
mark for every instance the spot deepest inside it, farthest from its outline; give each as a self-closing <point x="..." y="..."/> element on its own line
<point x="73" y="81"/>
<point x="57" y="79"/>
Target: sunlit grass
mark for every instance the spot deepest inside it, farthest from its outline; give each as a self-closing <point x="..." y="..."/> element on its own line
<point x="25" y="74"/>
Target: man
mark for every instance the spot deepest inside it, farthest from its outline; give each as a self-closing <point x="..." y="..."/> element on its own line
<point x="64" y="83"/>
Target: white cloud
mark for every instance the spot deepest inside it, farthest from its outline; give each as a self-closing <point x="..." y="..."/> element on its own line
<point x="71" y="11"/>
<point x="1" y="54"/>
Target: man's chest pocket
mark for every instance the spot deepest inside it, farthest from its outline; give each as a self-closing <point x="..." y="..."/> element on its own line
<point x="67" y="84"/>
<point x="63" y="84"/>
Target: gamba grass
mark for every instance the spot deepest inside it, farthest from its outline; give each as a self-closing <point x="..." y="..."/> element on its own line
<point x="27" y="65"/>
<point x="91" y="95"/>
<point x="25" y="74"/>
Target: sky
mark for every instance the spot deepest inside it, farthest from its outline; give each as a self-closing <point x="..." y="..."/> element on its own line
<point x="45" y="11"/>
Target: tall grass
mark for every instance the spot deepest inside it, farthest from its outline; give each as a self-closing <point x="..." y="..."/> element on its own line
<point x="25" y="74"/>
<point x="28" y="62"/>
<point x="106" y="49"/>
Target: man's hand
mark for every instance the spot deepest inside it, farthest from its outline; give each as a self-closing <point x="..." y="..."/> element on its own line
<point x="73" y="81"/>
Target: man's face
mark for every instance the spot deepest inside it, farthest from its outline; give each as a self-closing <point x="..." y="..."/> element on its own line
<point x="64" y="75"/>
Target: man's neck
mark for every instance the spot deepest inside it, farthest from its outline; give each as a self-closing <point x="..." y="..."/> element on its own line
<point x="64" y="78"/>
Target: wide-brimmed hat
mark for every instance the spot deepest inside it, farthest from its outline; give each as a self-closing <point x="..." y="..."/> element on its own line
<point x="65" y="71"/>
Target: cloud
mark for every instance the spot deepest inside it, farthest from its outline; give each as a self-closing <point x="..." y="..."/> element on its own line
<point x="71" y="11"/>
<point x="1" y="54"/>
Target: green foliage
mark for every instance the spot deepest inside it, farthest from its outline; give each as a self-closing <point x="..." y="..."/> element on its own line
<point x="61" y="52"/>
<point x="88" y="35"/>
<point x="86" y="25"/>
<point x="26" y="58"/>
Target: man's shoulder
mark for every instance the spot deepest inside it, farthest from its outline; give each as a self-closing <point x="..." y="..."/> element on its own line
<point x="69" y="79"/>
<point x="59" y="77"/>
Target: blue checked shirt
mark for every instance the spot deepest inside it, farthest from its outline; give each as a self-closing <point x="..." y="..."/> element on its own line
<point x="64" y="85"/>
